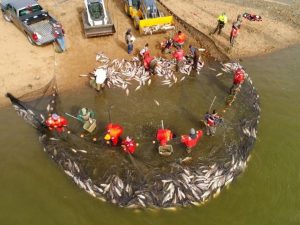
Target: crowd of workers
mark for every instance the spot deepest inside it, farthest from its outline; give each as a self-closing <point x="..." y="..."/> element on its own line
<point x="113" y="134"/>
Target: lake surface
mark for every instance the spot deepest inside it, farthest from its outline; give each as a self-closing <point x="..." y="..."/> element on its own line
<point x="34" y="191"/>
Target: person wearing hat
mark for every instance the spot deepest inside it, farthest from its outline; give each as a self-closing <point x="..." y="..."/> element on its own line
<point x="192" y="139"/>
<point x="56" y="122"/>
<point x="85" y="114"/>
<point x="129" y="39"/>
<point x="222" y="20"/>
<point x="113" y="134"/>
<point x="129" y="145"/>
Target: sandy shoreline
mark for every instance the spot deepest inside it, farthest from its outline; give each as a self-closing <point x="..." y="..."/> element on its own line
<point x="25" y="68"/>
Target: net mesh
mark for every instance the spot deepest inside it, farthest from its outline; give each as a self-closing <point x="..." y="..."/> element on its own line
<point x="144" y="180"/>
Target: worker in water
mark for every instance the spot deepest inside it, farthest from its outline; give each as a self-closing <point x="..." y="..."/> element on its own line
<point x="129" y="145"/>
<point x="56" y="122"/>
<point x="149" y="62"/>
<point x="145" y="51"/>
<point x="164" y="135"/>
<point x="166" y="46"/>
<point x="113" y="134"/>
<point x="195" y="54"/>
<point x="179" y="39"/>
<point x="129" y="39"/>
<point x="99" y="79"/>
<point x="238" y="80"/>
<point x="85" y="114"/>
<point x="178" y="55"/>
<point x="222" y="20"/>
<point x="192" y="139"/>
<point x="212" y="120"/>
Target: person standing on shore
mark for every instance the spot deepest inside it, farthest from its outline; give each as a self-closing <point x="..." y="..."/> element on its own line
<point x="129" y="39"/>
<point x="235" y="30"/>
<point x="222" y="20"/>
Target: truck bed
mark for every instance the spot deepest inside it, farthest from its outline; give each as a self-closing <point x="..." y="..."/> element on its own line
<point x="44" y="28"/>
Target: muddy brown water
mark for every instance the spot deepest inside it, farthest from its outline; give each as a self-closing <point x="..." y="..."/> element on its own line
<point x="35" y="191"/>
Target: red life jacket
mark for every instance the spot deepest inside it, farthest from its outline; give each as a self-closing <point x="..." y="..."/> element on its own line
<point x="58" y="124"/>
<point x="178" y="55"/>
<point x="190" y="142"/>
<point x="234" y="32"/>
<point x="239" y="76"/>
<point x="163" y="136"/>
<point x="115" y="131"/>
<point x="147" y="61"/>
<point x="129" y="146"/>
<point x="210" y="121"/>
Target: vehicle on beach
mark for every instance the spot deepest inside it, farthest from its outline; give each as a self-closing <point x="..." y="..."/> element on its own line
<point x="39" y="27"/>
<point x="96" y="19"/>
<point x="147" y="18"/>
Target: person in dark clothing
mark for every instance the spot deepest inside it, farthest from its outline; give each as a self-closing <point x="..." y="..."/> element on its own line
<point x="195" y="53"/>
<point x="129" y="39"/>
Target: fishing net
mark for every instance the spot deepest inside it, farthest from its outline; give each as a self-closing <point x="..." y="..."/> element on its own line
<point x="146" y="179"/>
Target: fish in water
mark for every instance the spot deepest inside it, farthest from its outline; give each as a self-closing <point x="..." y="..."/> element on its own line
<point x="219" y="74"/>
<point x="156" y="102"/>
<point x="138" y="87"/>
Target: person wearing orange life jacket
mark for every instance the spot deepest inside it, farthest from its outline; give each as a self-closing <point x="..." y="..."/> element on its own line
<point x="113" y="134"/>
<point x="238" y="80"/>
<point x="179" y="39"/>
<point x="56" y="122"/>
<point x="129" y="145"/>
<point x="164" y="135"/>
<point x="192" y="139"/>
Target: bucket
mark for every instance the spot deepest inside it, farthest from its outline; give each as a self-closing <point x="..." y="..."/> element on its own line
<point x="165" y="150"/>
<point x="90" y="125"/>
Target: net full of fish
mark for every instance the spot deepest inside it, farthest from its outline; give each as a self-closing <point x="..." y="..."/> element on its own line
<point x="127" y="186"/>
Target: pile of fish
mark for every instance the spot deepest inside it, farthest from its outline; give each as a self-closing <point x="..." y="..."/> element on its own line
<point x="122" y="73"/>
<point x="183" y="187"/>
<point x="157" y="28"/>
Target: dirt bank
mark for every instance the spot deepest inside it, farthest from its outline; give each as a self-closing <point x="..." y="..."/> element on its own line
<point x="25" y="67"/>
<point x="279" y="28"/>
